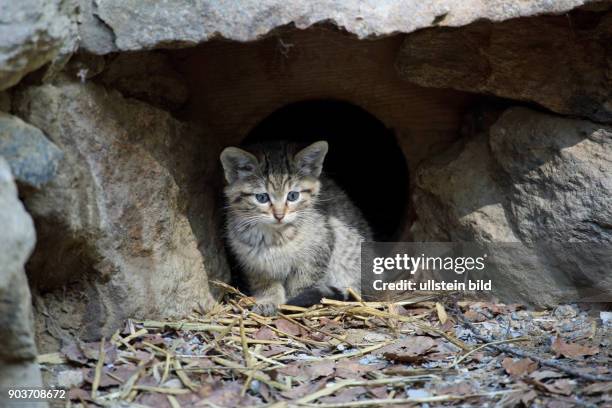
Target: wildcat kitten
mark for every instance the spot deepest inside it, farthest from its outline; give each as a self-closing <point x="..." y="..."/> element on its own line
<point x="295" y="233"/>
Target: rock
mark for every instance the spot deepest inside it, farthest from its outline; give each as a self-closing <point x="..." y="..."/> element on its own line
<point x="83" y="66"/>
<point x="32" y="33"/>
<point x="117" y="226"/>
<point x="561" y="63"/>
<point x="139" y="26"/>
<point x="17" y="348"/>
<point x="68" y="379"/>
<point x="565" y="312"/>
<point x="147" y="76"/>
<point x="559" y="171"/>
<point x="95" y="37"/>
<point x="32" y="157"/>
<point x="535" y="178"/>
<point x="5" y="102"/>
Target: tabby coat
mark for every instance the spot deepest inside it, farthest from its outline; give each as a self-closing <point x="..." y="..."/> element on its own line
<point x="295" y="233"/>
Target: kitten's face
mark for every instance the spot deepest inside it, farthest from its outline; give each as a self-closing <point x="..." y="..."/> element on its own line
<point x="273" y="187"/>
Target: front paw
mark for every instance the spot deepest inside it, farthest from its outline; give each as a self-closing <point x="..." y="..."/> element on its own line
<point x="265" y="309"/>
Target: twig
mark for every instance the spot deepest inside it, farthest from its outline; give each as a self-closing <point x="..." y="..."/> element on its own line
<point x="364" y="383"/>
<point x="361" y="352"/>
<point x="525" y="354"/>
<point x="388" y="401"/>
<point x="178" y="369"/>
<point x="257" y="375"/>
<point x="314" y="330"/>
<point x="98" y="373"/>
<point x="482" y="346"/>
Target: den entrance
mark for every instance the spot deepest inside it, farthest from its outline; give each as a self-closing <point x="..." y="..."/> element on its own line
<point x="364" y="157"/>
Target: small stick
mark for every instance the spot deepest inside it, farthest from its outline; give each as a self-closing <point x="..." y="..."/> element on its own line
<point x="132" y="336"/>
<point x="310" y="329"/>
<point x="162" y="390"/>
<point x="173" y="402"/>
<point x="178" y="369"/>
<point x="247" y="358"/>
<point x="387" y="401"/>
<point x="482" y="346"/>
<point x="300" y="340"/>
<point x="352" y="383"/>
<point x="361" y="352"/>
<point x="98" y="373"/>
<point x="258" y="376"/>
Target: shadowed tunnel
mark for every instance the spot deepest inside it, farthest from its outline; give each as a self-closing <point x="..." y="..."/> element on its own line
<point x="364" y="157"/>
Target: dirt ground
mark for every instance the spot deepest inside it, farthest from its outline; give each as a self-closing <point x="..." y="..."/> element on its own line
<point x="425" y="351"/>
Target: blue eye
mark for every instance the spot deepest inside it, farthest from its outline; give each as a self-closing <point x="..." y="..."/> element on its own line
<point x="293" y="195"/>
<point x="262" y="197"/>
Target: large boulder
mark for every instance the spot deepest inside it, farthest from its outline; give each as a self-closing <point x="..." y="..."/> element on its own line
<point x="136" y="25"/>
<point x="17" y="347"/>
<point x="533" y="178"/>
<point x="562" y="63"/>
<point x="32" y="157"/>
<point x="32" y="34"/>
<point x="124" y="225"/>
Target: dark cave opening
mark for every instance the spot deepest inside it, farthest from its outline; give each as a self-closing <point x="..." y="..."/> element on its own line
<point x="364" y="157"/>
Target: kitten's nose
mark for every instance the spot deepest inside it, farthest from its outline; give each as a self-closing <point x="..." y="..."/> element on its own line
<point x="279" y="216"/>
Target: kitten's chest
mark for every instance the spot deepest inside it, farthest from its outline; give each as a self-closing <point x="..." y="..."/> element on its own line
<point x="274" y="256"/>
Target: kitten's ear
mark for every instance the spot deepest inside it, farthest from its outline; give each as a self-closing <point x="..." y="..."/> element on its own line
<point x="310" y="159"/>
<point x="237" y="163"/>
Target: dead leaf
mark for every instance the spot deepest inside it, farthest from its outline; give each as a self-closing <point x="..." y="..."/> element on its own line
<point x="462" y="388"/>
<point x="273" y="350"/>
<point x="77" y="394"/>
<point x="409" y="350"/>
<point x="544" y="374"/>
<point x="473" y="316"/>
<point x="292" y="370"/>
<point x="379" y="392"/>
<point x="74" y="354"/>
<point x="528" y="397"/>
<point x="563" y="387"/>
<point x="598" y="388"/>
<point x="303" y="389"/>
<point x="351" y="368"/>
<point x="288" y="327"/>
<point x="153" y="399"/>
<point x="223" y="394"/>
<point x="520" y="367"/>
<point x="320" y="369"/>
<point x="265" y="333"/>
<point x="572" y="350"/>
<point x="105" y="380"/>
<point x="416" y="311"/>
<point x="345" y="395"/>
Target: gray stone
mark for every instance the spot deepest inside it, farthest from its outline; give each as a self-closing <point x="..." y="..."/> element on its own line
<point x="17" y="348"/>
<point x="137" y="25"/>
<point x="32" y="157"/>
<point x="32" y="33"/>
<point x="115" y="226"/>
<point x="534" y="178"/>
<point x="68" y="379"/>
<point x="148" y="76"/>
<point x="95" y="37"/>
<point x="559" y="172"/>
<point x="562" y="63"/>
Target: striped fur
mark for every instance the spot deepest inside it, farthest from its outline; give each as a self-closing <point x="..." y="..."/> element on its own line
<point x="291" y="251"/>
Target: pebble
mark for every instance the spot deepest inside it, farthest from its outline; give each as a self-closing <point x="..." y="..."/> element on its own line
<point x="70" y="379"/>
<point x="565" y="312"/>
